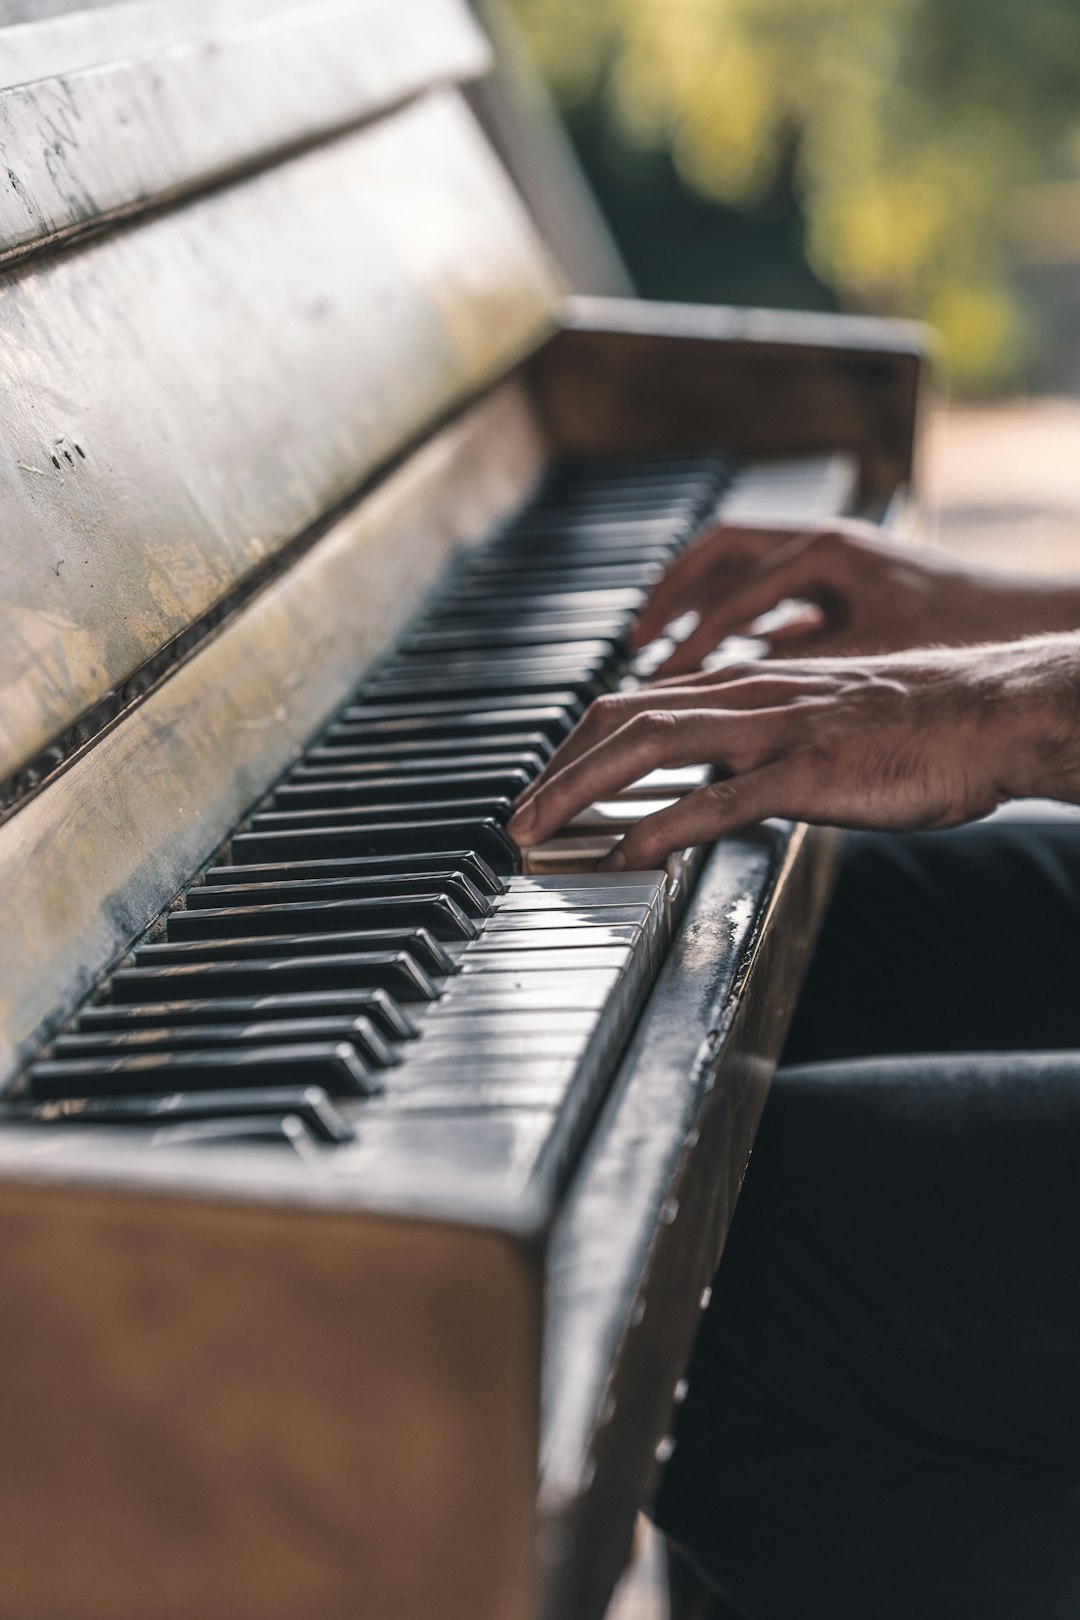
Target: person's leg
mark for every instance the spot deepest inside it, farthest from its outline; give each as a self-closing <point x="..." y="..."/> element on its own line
<point x="884" y="1409"/>
<point x="947" y="942"/>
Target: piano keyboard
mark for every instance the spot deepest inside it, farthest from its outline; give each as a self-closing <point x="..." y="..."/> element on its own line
<point x="371" y="955"/>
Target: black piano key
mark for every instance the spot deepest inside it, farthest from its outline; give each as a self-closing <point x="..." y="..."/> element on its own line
<point x="504" y="579"/>
<point x="308" y="1103"/>
<point x="618" y="562"/>
<point x="387" y="865"/>
<point x="334" y="1066"/>
<point x="670" y="468"/>
<point x="383" y="791"/>
<point x="567" y="707"/>
<point x="486" y="837"/>
<point x="381" y="1009"/>
<point x="474" y="724"/>
<point x="486" y="752"/>
<point x="449" y="885"/>
<point x="435" y="914"/>
<point x="390" y="687"/>
<point x="236" y="947"/>
<point x="262" y="1130"/>
<point x="625" y="601"/>
<point x="597" y="532"/>
<point x="403" y="812"/>
<point x="355" y="764"/>
<point x="360" y="1033"/>
<point x="480" y="634"/>
<point x="397" y="972"/>
<point x="585" y="618"/>
<point x="576" y="656"/>
<point x="609" y="502"/>
<point x="484" y="677"/>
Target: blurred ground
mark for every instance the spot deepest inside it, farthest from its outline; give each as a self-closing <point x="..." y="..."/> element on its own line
<point x="1001" y="483"/>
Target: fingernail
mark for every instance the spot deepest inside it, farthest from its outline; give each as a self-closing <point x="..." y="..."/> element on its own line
<point x="615" y="862"/>
<point x="522" y="821"/>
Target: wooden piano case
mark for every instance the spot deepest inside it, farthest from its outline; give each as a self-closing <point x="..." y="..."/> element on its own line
<point x="277" y="333"/>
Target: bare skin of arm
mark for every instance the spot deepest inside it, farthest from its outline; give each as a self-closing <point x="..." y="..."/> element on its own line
<point x="912" y="739"/>
<point x="864" y="593"/>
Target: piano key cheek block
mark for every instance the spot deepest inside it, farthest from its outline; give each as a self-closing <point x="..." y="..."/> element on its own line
<point x="359" y="1178"/>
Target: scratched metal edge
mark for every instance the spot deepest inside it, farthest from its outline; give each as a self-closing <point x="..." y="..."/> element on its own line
<point x="694" y="1136"/>
<point x="125" y="137"/>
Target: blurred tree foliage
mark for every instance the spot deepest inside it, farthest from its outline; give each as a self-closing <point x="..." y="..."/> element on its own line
<point x="905" y="129"/>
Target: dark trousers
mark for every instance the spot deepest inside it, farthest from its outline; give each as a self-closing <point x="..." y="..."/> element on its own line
<point x="883" y="1420"/>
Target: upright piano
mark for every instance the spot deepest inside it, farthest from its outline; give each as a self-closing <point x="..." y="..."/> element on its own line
<point x="359" y="1186"/>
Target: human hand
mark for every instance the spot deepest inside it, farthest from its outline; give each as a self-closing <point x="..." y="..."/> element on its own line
<point x="863" y="592"/>
<point x="917" y="739"/>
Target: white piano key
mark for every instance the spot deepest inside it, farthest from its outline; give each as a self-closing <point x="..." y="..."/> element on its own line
<point x="515" y="964"/>
<point x="618" y="814"/>
<point x="452" y="1021"/>
<point x="518" y="920"/>
<point x="586" y="990"/>
<point x="589" y="936"/>
<point x="449" y="1047"/>
<point x="580" y="886"/>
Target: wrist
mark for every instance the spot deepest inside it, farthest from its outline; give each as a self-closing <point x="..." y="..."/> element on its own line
<point x="1036" y="699"/>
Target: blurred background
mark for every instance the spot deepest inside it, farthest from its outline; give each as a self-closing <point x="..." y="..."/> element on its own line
<point x="905" y="157"/>
<point x="912" y="158"/>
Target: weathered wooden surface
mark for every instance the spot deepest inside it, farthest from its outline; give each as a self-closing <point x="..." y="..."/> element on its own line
<point x="180" y="399"/>
<point x="230" y="1411"/>
<point x="89" y="861"/>
<point x="205" y="93"/>
<point x="635" y="376"/>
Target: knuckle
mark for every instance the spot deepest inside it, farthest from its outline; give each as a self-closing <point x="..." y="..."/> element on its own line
<point x="608" y="709"/>
<point x="654" y="727"/>
<point x="744" y="669"/>
<point x="722" y="797"/>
